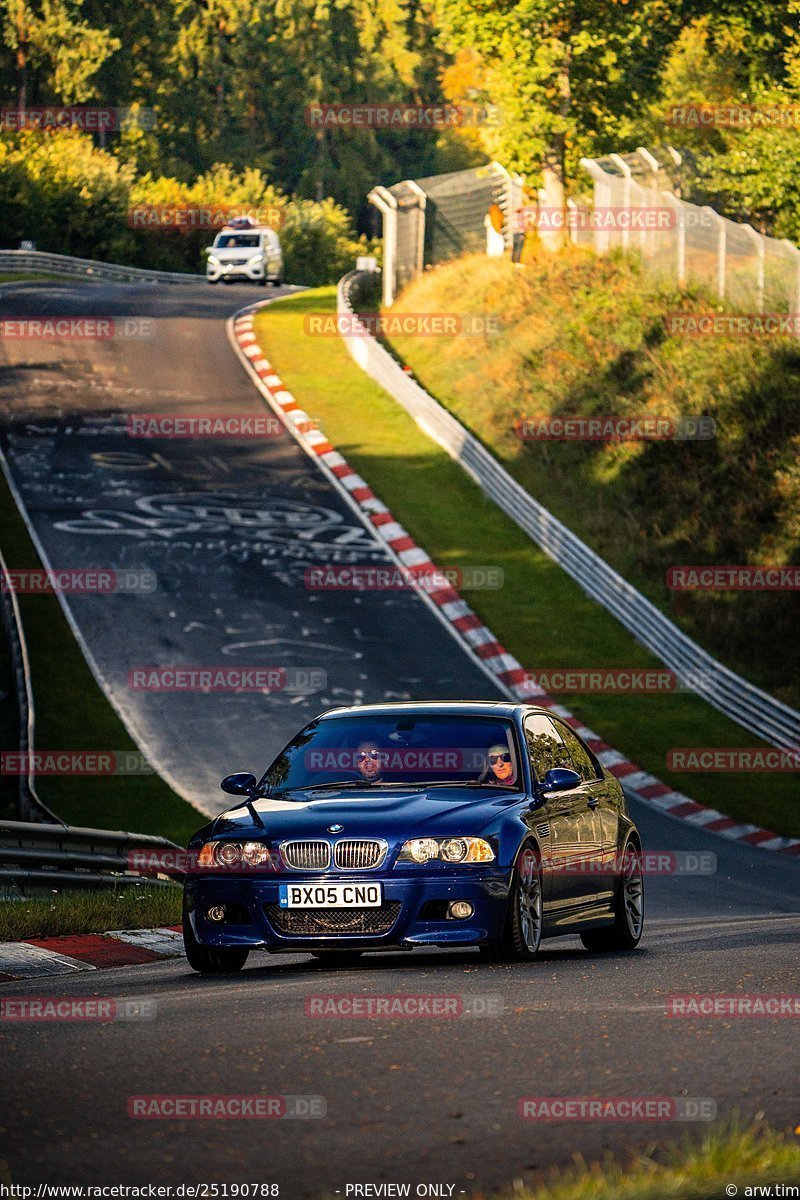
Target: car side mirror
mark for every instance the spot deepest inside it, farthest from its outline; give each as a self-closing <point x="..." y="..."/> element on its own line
<point x="240" y="784"/>
<point x="560" y="779"/>
<point x="206" y="251"/>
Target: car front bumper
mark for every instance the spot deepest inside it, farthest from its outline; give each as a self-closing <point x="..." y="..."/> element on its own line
<point x="252" y="272"/>
<point x="413" y="912"/>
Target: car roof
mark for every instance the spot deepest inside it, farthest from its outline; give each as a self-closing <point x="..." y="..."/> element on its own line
<point x="460" y="708"/>
<point x="246" y="229"/>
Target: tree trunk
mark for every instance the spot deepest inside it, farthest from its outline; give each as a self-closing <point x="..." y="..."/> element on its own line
<point x="22" y="68"/>
<point x="553" y="165"/>
<point x="553" y="231"/>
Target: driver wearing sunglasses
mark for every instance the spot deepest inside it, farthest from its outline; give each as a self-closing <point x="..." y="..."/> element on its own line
<point x="369" y="761"/>
<point x="499" y="765"/>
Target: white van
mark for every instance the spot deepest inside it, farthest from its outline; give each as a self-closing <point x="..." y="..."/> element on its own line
<point x="245" y="252"/>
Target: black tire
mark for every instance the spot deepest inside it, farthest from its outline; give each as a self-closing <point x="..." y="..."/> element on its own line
<point x="337" y="958"/>
<point x="626" y="932"/>
<point x="209" y="960"/>
<point x="213" y="282"/>
<point x="263" y="282"/>
<point x="522" y="936"/>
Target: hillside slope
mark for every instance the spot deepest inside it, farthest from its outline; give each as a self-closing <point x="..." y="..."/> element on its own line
<point x="586" y="336"/>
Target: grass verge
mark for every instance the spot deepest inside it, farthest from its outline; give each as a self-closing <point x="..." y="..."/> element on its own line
<point x="73" y="713"/>
<point x="131" y="907"/>
<point x="540" y="614"/>
<point x="733" y="1157"/>
<point x="18" y="276"/>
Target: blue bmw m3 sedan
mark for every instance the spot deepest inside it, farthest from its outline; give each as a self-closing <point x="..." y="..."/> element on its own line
<point x="394" y="826"/>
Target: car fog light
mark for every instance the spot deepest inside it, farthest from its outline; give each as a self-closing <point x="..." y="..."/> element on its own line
<point x="459" y="910"/>
<point x="216" y="913"/>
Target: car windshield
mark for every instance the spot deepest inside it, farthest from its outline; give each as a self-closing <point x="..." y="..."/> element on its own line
<point x="400" y="750"/>
<point x="231" y="241"/>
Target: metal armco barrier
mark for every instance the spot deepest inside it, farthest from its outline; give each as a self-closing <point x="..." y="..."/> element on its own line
<point x="42" y="857"/>
<point x="40" y="261"/>
<point x="29" y="803"/>
<point x="728" y="692"/>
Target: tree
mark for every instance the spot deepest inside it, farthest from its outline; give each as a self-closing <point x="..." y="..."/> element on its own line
<point x="569" y="76"/>
<point x="64" y="52"/>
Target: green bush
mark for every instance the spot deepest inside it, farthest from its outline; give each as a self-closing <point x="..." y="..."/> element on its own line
<point x="69" y="197"/>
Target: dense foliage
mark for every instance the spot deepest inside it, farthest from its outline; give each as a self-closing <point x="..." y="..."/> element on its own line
<point x="229" y="82"/>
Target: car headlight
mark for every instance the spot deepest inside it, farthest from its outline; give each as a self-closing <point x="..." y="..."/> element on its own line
<point x="256" y="260"/>
<point x="229" y="855"/>
<point x="451" y="850"/>
<point x="212" y="261"/>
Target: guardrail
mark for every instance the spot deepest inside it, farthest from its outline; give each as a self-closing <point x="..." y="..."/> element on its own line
<point x="45" y="853"/>
<point x="30" y="804"/>
<point x="42" y="857"/>
<point x="728" y="692"/>
<point x="42" y="262"/>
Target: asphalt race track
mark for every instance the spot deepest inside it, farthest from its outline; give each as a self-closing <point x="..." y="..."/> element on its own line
<point x="229" y="527"/>
<point x="423" y="1101"/>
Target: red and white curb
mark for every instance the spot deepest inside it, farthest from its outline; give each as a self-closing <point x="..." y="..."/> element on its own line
<point x="476" y="638"/>
<point x="87" y="952"/>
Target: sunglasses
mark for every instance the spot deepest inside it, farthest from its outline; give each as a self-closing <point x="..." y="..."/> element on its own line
<point x="496" y="758"/>
<point x="373" y="755"/>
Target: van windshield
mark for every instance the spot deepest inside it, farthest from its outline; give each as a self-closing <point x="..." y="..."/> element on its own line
<point x="229" y="241"/>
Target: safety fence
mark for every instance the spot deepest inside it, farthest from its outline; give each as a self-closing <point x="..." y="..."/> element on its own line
<point x="428" y="221"/>
<point x="728" y="692"/>
<point x="682" y="242"/>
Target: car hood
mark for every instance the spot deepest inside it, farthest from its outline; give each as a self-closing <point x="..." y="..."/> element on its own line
<point x="370" y="813"/>
<point x="236" y="255"/>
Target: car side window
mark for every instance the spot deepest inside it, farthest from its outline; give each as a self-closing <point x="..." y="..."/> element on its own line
<point x="581" y="759"/>
<point x="546" y="750"/>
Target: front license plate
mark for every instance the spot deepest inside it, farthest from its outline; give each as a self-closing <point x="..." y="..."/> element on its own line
<point x="330" y="895"/>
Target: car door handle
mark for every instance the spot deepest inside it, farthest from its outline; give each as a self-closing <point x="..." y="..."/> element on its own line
<point x="592" y="802"/>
